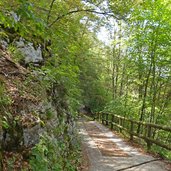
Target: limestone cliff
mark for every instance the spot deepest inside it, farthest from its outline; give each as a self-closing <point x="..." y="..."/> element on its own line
<point x="27" y="110"/>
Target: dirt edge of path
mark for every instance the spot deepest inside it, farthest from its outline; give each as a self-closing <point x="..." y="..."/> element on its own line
<point x="85" y="163"/>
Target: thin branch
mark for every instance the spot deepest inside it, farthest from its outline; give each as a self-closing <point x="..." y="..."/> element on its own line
<point x="136" y="165"/>
<point x="83" y="10"/>
<point x="50" y="9"/>
<point x="42" y="9"/>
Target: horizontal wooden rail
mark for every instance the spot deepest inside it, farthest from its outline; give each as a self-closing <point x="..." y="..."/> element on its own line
<point x="143" y="130"/>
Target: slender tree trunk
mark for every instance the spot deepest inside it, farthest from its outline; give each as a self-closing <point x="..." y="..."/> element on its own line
<point x="113" y="74"/>
<point x="122" y="80"/>
<point x="126" y="92"/>
<point x="142" y="111"/>
<point x="153" y="89"/>
<point x="152" y="70"/>
<point x="163" y="99"/>
<point x="153" y="83"/>
<point x="118" y="61"/>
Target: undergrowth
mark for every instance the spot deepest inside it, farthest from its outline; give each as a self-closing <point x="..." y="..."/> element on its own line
<point x="56" y="154"/>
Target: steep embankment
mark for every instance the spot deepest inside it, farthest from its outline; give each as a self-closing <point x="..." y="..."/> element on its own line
<point x="36" y="130"/>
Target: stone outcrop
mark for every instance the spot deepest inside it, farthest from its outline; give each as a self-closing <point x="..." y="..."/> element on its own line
<point x="27" y="111"/>
<point x="29" y="52"/>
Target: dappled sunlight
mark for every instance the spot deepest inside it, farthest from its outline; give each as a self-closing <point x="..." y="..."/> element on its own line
<point x="108" y="152"/>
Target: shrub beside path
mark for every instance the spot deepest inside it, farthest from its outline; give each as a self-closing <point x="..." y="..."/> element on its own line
<point x="108" y="152"/>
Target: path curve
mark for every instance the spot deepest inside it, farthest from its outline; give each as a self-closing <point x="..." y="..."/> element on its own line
<point x="108" y="152"/>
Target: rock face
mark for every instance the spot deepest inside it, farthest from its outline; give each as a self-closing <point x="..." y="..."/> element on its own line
<point x="4" y="44"/>
<point x="31" y="136"/>
<point x="27" y="108"/>
<point x="30" y="53"/>
<point x="15" y="16"/>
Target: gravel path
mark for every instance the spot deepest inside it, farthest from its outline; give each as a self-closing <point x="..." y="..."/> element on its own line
<point x="108" y="152"/>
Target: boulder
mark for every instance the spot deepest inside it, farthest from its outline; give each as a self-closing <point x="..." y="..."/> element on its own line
<point x="30" y="53"/>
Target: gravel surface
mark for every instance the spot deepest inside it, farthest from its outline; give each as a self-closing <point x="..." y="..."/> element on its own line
<point x="108" y="152"/>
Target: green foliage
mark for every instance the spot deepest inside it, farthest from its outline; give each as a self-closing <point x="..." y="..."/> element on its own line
<point x="123" y="8"/>
<point x="49" y="114"/>
<point x="4" y="98"/>
<point x="130" y="77"/>
<point x="17" y="55"/>
<point x="39" y="161"/>
<point x="117" y="106"/>
<point x="10" y="163"/>
<point x="53" y="153"/>
<point x="5" y="101"/>
<point x="123" y="107"/>
<point x="162" y="152"/>
<point x="5" y="123"/>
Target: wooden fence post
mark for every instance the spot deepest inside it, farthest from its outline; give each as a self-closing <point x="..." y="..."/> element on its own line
<point x="115" y="121"/>
<point x="149" y="133"/>
<point x="112" y="122"/>
<point x="107" y="117"/>
<point x="102" y="118"/>
<point x="120" y="123"/>
<point x="94" y="116"/>
<point x="131" y="130"/>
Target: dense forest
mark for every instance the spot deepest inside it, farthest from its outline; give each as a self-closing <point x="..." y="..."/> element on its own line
<point x="111" y="56"/>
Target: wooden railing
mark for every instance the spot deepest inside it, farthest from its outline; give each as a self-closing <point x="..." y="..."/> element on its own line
<point x="150" y="133"/>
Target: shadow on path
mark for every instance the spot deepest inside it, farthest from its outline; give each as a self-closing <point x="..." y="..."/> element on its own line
<point x="108" y="152"/>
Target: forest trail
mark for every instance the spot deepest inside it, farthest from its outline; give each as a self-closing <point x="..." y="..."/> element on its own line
<point x="108" y="152"/>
